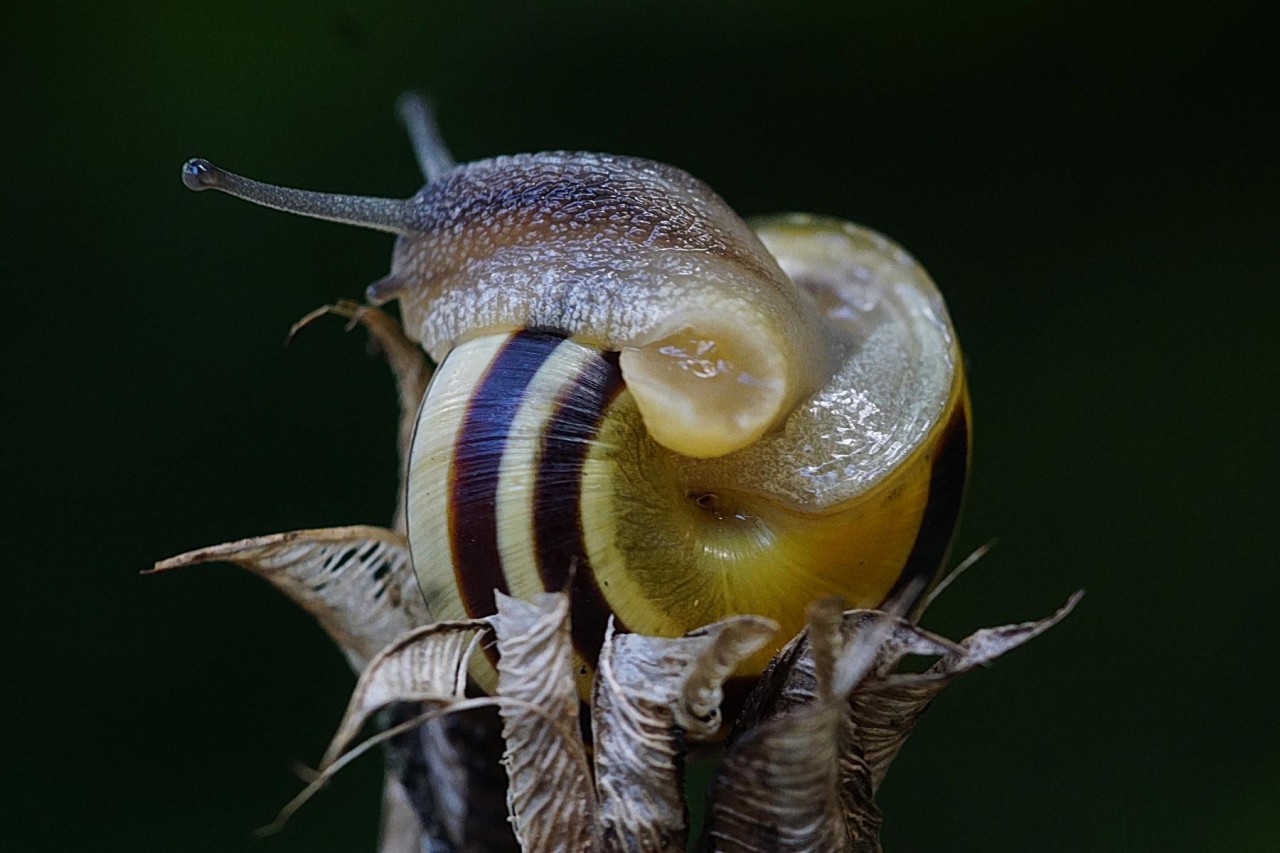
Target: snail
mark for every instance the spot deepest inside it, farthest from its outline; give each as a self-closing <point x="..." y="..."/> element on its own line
<point x="644" y="400"/>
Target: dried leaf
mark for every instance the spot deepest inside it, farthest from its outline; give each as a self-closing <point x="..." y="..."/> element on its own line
<point x="778" y="788"/>
<point x="646" y="689"/>
<point x="407" y="361"/>
<point x="825" y="641"/>
<point x="885" y="711"/>
<point x="731" y="641"/>
<point x="549" y="795"/>
<point x="883" y="705"/>
<point x="428" y="664"/>
<point x="901" y="639"/>
<point x="356" y="581"/>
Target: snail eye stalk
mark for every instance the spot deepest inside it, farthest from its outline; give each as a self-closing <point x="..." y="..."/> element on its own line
<point x="381" y="214"/>
<point x="429" y="149"/>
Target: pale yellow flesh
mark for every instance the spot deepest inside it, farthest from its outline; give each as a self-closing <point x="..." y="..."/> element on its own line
<point x="706" y="392"/>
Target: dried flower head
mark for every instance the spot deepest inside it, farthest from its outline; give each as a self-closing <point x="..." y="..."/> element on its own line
<point x="799" y="769"/>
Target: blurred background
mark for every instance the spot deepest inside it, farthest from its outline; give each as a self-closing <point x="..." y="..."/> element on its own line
<point x="1095" y="189"/>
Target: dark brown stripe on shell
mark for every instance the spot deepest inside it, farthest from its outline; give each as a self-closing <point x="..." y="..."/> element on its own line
<point x="477" y="460"/>
<point x="557" y="514"/>
<point x="942" y="509"/>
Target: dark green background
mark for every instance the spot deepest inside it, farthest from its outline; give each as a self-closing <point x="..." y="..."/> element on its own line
<point x="1096" y="191"/>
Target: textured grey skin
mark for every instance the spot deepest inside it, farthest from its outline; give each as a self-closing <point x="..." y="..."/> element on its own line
<point x="604" y="247"/>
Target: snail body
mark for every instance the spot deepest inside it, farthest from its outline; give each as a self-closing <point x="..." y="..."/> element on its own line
<point x="644" y="400"/>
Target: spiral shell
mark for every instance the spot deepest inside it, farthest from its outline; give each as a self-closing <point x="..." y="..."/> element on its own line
<point x="532" y="470"/>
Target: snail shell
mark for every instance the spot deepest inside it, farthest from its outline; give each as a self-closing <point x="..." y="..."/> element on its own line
<point x="644" y="400"/>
